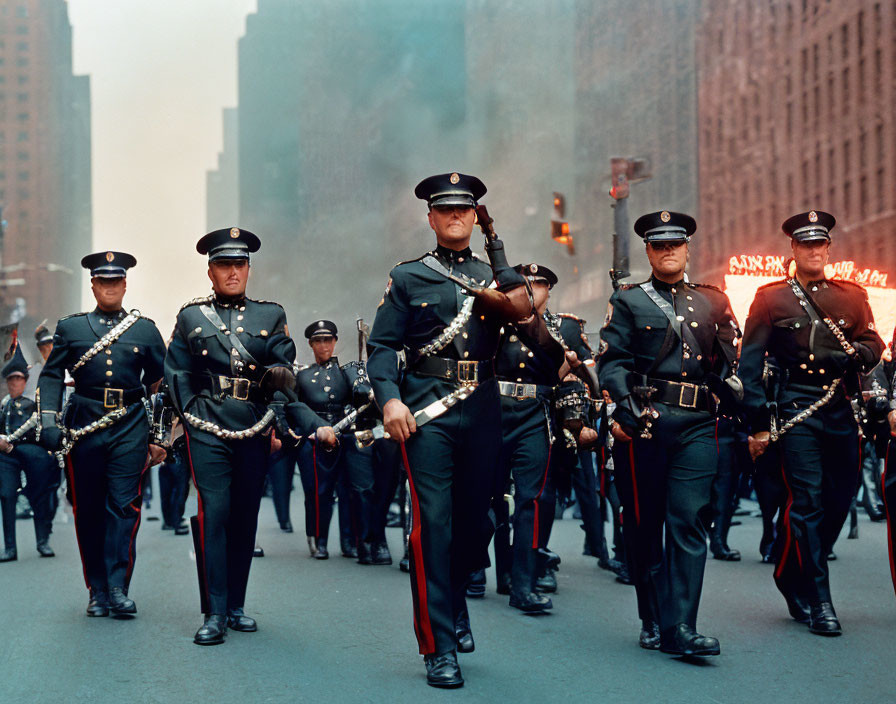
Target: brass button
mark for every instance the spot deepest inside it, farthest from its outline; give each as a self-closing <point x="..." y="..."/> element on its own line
<point x="647" y="327"/>
<point x="109" y="362"/>
<point x="136" y="350"/>
<point x="239" y="329"/>
<point x="522" y="365"/>
<point x="197" y="330"/>
<point x="466" y="354"/>
<point x="264" y="333"/>
<point x="109" y="373"/>
<point x="239" y="317"/>
<point x="108" y="351"/>
<point x="424" y="304"/>
<point x="204" y="352"/>
<point x="693" y="323"/>
<point x="684" y="373"/>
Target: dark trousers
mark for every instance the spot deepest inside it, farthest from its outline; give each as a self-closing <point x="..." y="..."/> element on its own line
<point x="229" y="476"/>
<point x="771" y="492"/>
<point x="281" y="469"/>
<point x="346" y="471"/>
<point x="889" y="497"/>
<point x="174" y="485"/>
<point x="386" y="471"/>
<point x="450" y="463"/>
<point x="584" y="481"/>
<point x="41" y="479"/>
<point x="525" y="456"/>
<point x="727" y="482"/>
<point x="821" y="463"/>
<point x="105" y="473"/>
<point x="665" y="484"/>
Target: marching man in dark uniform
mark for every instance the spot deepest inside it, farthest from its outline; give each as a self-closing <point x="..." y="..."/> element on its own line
<point x="821" y="334"/>
<point x="19" y="452"/>
<point x="115" y="359"/>
<point x="228" y="355"/>
<point x="666" y="341"/>
<point x="328" y="390"/>
<point x="445" y="409"/>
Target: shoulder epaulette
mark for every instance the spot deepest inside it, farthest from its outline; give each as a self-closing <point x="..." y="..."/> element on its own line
<point x="73" y="315"/>
<point x="197" y="301"/>
<point x="411" y="261"/>
<point x="259" y="300"/>
<point x="354" y="364"/>
<point x="771" y="284"/>
<point x="570" y="316"/>
<point x="710" y="286"/>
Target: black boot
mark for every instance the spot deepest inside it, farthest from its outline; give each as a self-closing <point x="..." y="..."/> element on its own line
<point x="8" y="555"/>
<point x="120" y="604"/>
<point x="531" y="603"/>
<point x="212" y="631"/>
<point x="43" y="547"/>
<point x="718" y="548"/>
<point x="823" y="621"/>
<point x="476" y="585"/>
<point x="365" y="553"/>
<point x="322" y="553"/>
<point x="381" y="554"/>
<point x="547" y="582"/>
<point x="650" y="635"/>
<point x="503" y="586"/>
<point x="443" y="670"/>
<point x="348" y="548"/>
<point x="684" y="640"/>
<point x="99" y="603"/>
<point x="463" y="632"/>
<point x="238" y="621"/>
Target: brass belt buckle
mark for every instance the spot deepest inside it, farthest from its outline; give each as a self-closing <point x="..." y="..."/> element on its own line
<point x="692" y="403"/>
<point x="113" y="398"/>
<point x="468" y="372"/>
<point x="241" y="389"/>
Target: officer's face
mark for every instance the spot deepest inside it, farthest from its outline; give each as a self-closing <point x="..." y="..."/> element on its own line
<point x="453" y="224"/>
<point x="668" y="259"/>
<point x="323" y="348"/>
<point x="810" y="257"/>
<point x="229" y="276"/>
<point x="109" y="293"/>
<point x="15" y="385"/>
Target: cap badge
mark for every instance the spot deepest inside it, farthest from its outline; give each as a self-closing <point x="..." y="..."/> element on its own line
<point x="320" y="323"/>
<point x="533" y="268"/>
<point x="813" y="216"/>
<point x="234" y="232"/>
<point x="664" y="216"/>
<point x="454" y="178"/>
<point x="109" y="256"/>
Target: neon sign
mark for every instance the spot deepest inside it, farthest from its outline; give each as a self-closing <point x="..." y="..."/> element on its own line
<point x="777" y="266"/>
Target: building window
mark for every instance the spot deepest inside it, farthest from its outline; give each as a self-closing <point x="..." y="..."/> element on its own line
<point x="22" y="46"/>
<point x="846" y="89"/>
<point x="844" y="40"/>
<point x="21" y="62"/>
<point x="22" y="29"/>
<point x="22" y="97"/>
<point x="22" y="156"/>
<point x="22" y="136"/>
<point x="23" y="80"/>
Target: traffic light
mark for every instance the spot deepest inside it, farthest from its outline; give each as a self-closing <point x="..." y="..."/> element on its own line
<point x="559" y="225"/>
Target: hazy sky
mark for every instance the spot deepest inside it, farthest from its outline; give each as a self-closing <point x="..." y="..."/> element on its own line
<point x="160" y="73"/>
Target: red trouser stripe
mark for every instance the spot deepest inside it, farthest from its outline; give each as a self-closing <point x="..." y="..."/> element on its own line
<point x="779" y="570"/>
<point x="890" y="527"/>
<point x="71" y="482"/>
<point x="631" y="461"/>
<point x="316" y="494"/>
<point x="422" y="627"/>
<point x="201" y="513"/>
<point x="544" y="481"/>
<point x="136" y="505"/>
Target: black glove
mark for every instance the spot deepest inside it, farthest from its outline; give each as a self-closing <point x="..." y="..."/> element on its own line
<point x="502" y="271"/>
<point x="50" y="435"/>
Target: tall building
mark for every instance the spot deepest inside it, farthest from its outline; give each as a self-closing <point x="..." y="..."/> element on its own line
<point x="796" y="113"/>
<point x="45" y="173"/>
<point x="222" y="189"/>
<point x="342" y="106"/>
<point x="635" y="96"/>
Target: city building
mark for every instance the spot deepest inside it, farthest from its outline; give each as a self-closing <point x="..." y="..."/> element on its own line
<point x="45" y="172"/>
<point x="796" y="113"/>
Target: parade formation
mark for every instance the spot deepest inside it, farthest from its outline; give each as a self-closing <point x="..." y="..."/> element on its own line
<point x="475" y="407"/>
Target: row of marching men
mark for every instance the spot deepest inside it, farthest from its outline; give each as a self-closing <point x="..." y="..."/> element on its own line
<point x="464" y="363"/>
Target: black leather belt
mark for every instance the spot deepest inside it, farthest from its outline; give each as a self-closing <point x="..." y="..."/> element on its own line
<point x="236" y="387"/>
<point x="455" y="371"/>
<point x="112" y="398"/>
<point x="683" y="395"/>
<point x="520" y="391"/>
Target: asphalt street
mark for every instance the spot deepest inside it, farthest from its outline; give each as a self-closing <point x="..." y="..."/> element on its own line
<point x="335" y="631"/>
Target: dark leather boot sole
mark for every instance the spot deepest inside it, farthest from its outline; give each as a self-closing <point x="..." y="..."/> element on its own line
<point x="97" y="612"/>
<point x="831" y="631"/>
<point x="209" y="641"/>
<point x="446" y="684"/>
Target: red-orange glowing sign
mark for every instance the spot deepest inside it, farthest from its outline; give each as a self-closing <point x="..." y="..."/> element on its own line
<point x="776" y="266"/>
